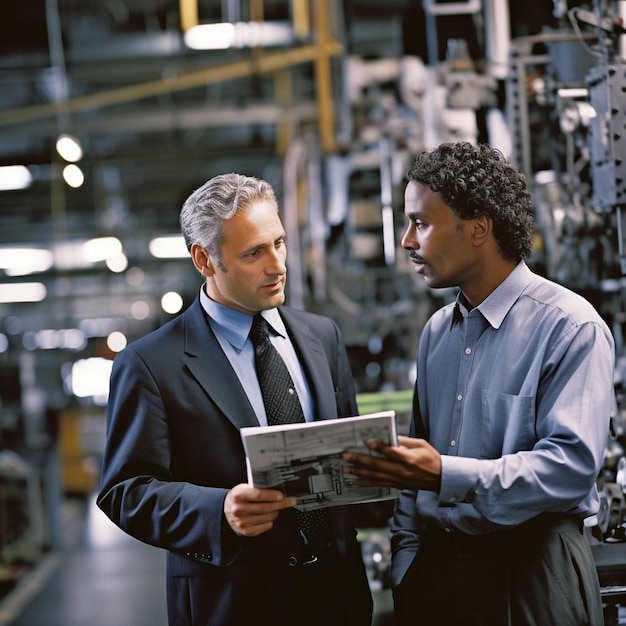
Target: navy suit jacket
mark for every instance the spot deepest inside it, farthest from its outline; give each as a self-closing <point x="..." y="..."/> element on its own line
<point x="174" y="450"/>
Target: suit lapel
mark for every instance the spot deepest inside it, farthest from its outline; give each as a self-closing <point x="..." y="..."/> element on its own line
<point x="210" y="367"/>
<point x="313" y="358"/>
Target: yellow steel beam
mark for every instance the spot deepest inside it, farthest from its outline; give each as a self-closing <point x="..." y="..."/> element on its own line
<point x="188" y="14"/>
<point x="301" y="18"/>
<point x="323" y="77"/>
<point x="284" y="97"/>
<point x="264" y="64"/>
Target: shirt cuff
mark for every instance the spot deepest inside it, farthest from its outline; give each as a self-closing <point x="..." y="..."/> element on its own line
<point x="459" y="477"/>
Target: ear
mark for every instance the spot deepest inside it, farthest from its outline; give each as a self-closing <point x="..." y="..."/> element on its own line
<point x="482" y="230"/>
<point x="202" y="260"/>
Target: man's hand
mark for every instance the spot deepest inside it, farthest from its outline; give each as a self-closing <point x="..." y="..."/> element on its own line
<point x="413" y="464"/>
<point x="250" y="511"/>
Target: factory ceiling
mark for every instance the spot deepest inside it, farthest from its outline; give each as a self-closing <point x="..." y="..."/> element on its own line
<point x="156" y="119"/>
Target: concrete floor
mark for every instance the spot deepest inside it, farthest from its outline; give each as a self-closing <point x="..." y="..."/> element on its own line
<point x="103" y="577"/>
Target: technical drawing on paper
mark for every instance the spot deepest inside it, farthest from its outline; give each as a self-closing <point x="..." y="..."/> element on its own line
<point x="304" y="460"/>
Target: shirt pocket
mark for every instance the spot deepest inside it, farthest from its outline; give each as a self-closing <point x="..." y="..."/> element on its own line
<point x="508" y="423"/>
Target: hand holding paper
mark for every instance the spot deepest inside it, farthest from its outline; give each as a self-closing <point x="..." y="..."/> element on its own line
<point x="412" y="464"/>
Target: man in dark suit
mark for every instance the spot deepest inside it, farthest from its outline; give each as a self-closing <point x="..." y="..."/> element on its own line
<point x="174" y="472"/>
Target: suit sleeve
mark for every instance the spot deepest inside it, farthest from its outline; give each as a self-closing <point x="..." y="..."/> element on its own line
<point x="345" y="393"/>
<point x="137" y="489"/>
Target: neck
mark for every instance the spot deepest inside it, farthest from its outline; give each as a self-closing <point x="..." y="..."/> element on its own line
<point x="487" y="282"/>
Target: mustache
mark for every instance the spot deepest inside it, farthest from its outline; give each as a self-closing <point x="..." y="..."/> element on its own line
<point x="417" y="258"/>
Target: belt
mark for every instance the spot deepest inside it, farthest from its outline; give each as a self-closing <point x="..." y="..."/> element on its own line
<point x="543" y="524"/>
<point x="311" y="552"/>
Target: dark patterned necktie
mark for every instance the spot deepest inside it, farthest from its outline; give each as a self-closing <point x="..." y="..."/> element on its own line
<point x="283" y="407"/>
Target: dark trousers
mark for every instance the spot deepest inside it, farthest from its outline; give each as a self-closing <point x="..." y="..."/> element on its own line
<point x="539" y="574"/>
<point x="269" y="593"/>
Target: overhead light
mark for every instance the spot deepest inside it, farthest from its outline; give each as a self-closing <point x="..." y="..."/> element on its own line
<point x="169" y="247"/>
<point x="171" y="302"/>
<point x="73" y="176"/>
<point x="55" y="339"/>
<point x="117" y="263"/>
<point x="101" y="249"/>
<point x="21" y="261"/>
<point x="210" y="36"/>
<point x="89" y="378"/>
<point x="116" y="341"/>
<point x="239" y="35"/>
<point x="13" y="177"/>
<point x="139" y="310"/>
<point x="69" y="148"/>
<point x="22" y="292"/>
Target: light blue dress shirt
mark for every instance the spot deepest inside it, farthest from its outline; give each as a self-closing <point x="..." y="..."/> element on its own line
<point x="516" y="394"/>
<point x="231" y="328"/>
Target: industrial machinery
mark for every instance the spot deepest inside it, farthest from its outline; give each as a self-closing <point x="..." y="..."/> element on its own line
<point x="554" y="102"/>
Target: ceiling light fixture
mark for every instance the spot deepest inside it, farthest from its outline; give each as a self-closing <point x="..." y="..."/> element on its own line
<point x="101" y="249"/>
<point x="13" y="177"/>
<point x="22" y="292"/>
<point x="69" y="148"/>
<point x="168" y="247"/>
<point x="73" y="176"/>
<point x="21" y="261"/>
<point x="239" y="35"/>
<point x="171" y="302"/>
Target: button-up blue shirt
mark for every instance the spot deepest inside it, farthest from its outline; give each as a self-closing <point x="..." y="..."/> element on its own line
<point x="231" y="328"/>
<point x="516" y="394"/>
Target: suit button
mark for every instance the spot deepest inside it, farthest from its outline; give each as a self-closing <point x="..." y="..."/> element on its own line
<point x="293" y="561"/>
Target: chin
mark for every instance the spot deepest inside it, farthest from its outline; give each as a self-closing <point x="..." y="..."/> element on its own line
<point x="275" y="301"/>
<point x="433" y="283"/>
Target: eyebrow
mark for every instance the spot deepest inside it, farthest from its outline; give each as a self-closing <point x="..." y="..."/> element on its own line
<point x="415" y="214"/>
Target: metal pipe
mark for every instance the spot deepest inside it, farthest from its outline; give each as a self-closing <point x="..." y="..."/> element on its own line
<point x="241" y="69"/>
<point x="621" y="15"/>
<point x="295" y="276"/>
<point x="498" y="37"/>
<point x="316" y="223"/>
<point x="386" y="198"/>
<point x="432" y="7"/>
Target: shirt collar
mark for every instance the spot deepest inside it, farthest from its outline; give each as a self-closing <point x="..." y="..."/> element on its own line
<point x="499" y="302"/>
<point x="234" y="325"/>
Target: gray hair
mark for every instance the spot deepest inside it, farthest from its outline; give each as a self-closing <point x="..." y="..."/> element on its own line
<point x="219" y="199"/>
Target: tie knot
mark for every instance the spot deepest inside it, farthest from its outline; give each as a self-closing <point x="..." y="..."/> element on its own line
<point x="259" y="333"/>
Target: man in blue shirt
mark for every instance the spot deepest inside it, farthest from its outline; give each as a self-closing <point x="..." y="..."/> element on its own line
<point x="511" y="413"/>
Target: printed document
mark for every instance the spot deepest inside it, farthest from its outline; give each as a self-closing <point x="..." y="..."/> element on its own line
<point x="304" y="460"/>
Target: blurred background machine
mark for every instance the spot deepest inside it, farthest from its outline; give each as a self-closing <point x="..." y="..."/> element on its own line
<point x="327" y="100"/>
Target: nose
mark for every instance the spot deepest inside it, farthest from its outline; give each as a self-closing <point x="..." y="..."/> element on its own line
<point x="408" y="240"/>
<point x="277" y="263"/>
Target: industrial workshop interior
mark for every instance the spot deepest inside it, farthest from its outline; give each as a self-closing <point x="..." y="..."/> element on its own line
<point x="113" y="111"/>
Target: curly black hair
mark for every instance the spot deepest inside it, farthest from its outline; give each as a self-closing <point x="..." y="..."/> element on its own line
<point x="476" y="180"/>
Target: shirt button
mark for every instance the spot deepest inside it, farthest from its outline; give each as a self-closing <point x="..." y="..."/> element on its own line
<point x="452" y="499"/>
<point x="459" y="397"/>
<point x="453" y="443"/>
<point x="293" y="561"/>
<point x="448" y="530"/>
<point x="468" y="351"/>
